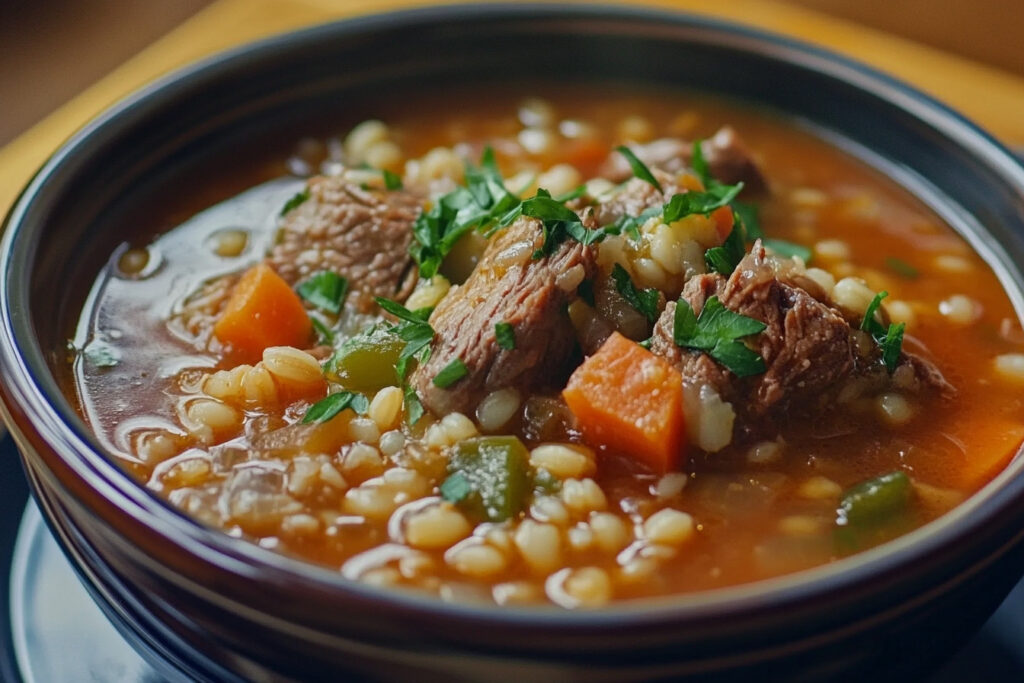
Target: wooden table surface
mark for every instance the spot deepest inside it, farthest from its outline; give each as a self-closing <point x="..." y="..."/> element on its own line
<point x="991" y="97"/>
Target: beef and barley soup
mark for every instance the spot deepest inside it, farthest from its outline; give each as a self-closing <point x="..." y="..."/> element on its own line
<point x="571" y="350"/>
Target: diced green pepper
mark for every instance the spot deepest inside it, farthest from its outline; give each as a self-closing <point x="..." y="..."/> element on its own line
<point x="873" y="511"/>
<point x="366" y="363"/>
<point x="497" y="471"/>
<point x="875" y="500"/>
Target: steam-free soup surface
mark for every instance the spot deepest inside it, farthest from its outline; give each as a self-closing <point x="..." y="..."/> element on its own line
<point x="265" y="399"/>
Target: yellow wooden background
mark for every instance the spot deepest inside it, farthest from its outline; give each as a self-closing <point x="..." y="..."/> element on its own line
<point x="993" y="98"/>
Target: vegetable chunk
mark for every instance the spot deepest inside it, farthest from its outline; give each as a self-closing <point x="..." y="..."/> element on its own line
<point x="489" y="477"/>
<point x="630" y="401"/>
<point x="263" y="311"/>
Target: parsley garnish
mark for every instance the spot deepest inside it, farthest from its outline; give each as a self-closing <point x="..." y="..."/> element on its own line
<point x="689" y="203"/>
<point x="643" y="300"/>
<point x="455" y="488"/>
<point x="889" y="339"/>
<point x="325" y="289"/>
<point x="558" y="223"/>
<point x="326" y="408"/>
<point x="413" y="329"/>
<point x="747" y="214"/>
<point x="902" y="268"/>
<point x="630" y="225"/>
<point x="477" y="205"/>
<point x="640" y="169"/>
<point x="392" y="181"/>
<point x="788" y="249"/>
<point x="450" y="374"/>
<point x="505" y="333"/>
<point x="296" y="199"/>
<point x="413" y="407"/>
<point x="725" y="258"/>
<point x="324" y="334"/>
<point x="717" y="331"/>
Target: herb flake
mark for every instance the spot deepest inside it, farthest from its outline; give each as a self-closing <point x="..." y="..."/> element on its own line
<point x="643" y="300"/>
<point x="889" y="339"/>
<point x="450" y="374"/>
<point x="505" y="333"/>
<point x="326" y="408"/>
<point x="640" y="169"/>
<point x="392" y="181"/>
<point x="788" y="249"/>
<point x="902" y="268"/>
<point x="717" y="331"/>
<point x="325" y="290"/>
<point x="297" y="199"/>
<point x="456" y="488"/>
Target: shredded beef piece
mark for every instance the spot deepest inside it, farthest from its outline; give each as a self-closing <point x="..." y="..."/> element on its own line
<point x="728" y="159"/>
<point x="510" y="286"/>
<point x="361" y="234"/>
<point x="807" y="346"/>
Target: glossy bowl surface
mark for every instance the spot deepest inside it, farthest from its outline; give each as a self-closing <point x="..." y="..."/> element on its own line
<point x="203" y="606"/>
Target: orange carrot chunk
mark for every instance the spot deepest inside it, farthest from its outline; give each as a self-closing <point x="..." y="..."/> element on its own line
<point x="630" y="401"/>
<point x="263" y="311"/>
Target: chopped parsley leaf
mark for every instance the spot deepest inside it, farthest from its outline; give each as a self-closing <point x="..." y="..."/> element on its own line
<point x="455" y="488"/>
<point x="643" y="300"/>
<point x="630" y="225"/>
<point x="324" y="334"/>
<point x="506" y="335"/>
<point x="747" y="213"/>
<point x="870" y="324"/>
<point x="413" y="407"/>
<point x="892" y="345"/>
<point x="689" y="203"/>
<point x="450" y="374"/>
<point x="326" y="408"/>
<point x="788" y="249"/>
<point x="717" y="331"/>
<point x="392" y="181"/>
<point x="889" y="339"/>
<point x="558" y="223"/>
<point x="586" y="292"/>
<point x="725" y="258"/>
<point x="477" y="205"/>
<point x="413" y="329"/>
<point x="325" y="290"/>
<point x="902" y="268"/>
<point x="640" y="169"/>
<point x="295" y="201"/>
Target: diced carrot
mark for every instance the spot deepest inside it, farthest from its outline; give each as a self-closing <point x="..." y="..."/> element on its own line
<point x="722" y="218"/>
<point x="993" y="444"/>
<point x="691" y="182"/>
<point x="586" y="155"/>
<point x="263" y="311"/>
<point x="630" y="401"/>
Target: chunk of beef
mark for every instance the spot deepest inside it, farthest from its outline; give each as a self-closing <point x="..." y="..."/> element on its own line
<point x="808" y="347"/>
<point x="507" y="286"/>
<point x="728" y="159"/>
<point x="361" y="234"/>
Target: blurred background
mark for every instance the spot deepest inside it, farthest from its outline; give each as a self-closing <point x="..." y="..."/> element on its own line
<point x="51" y="50"/>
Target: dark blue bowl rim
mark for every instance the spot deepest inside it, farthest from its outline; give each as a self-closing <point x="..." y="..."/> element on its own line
<point x="36" y="394"/>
